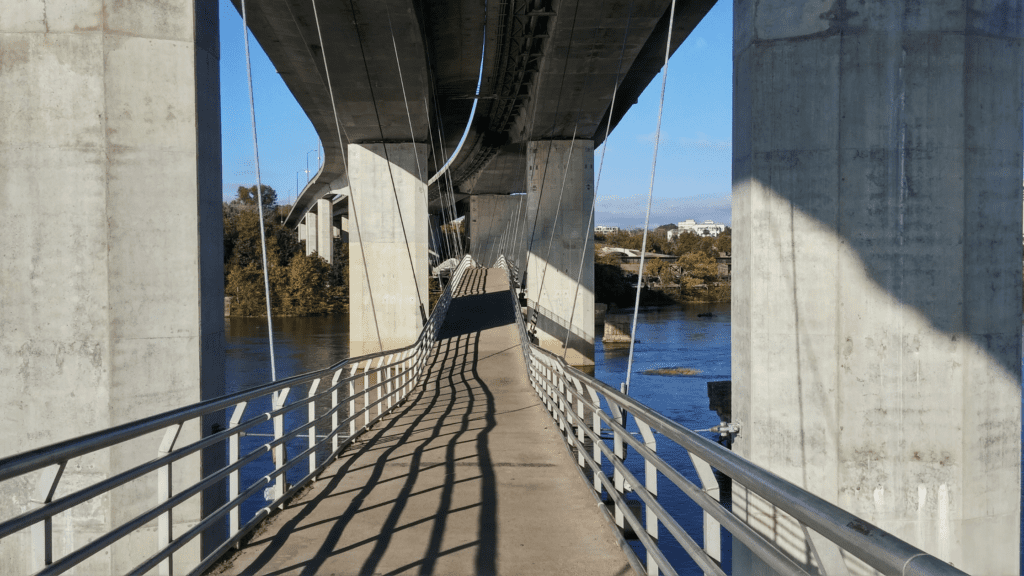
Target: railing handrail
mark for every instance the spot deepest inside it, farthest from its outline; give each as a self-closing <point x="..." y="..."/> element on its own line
<point x="878" y="548"/>
<point x="52" y="454"/>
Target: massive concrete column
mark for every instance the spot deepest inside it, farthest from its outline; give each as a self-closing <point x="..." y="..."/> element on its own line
<point x="325" y="229"/>
<point x="560" y="175"/>
<point x="387" y="246"/>
<point x="491" y="221"/>
<point x="112" y="264"/>
<point x="311" y="232"/>
<point x="877" y="267"/>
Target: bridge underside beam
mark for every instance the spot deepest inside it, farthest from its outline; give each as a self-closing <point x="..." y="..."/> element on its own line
<point x="877" y="277"/>
<point x="387" y="295"/>
<point x="560" y="177"/>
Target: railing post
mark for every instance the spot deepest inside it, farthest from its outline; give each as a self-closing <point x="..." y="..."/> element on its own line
<point x="163" y="494"/>
<point x="334" y="411"/>
<point x="580" y="435"/>
<point x="280" y="453"/>
<point x="619" y="449"/>
<point x="233" y="478"/>
<point x="380" y="391"/>
<point x="651" y="484"/>
<point x="712" y="529"/>
<point x="352" y="400"/>
<point x="595" y="423"/>
<point x="42" y="532"/>
<point x="388" y="373"/>
<point x="366" y="394"/>
<point x="312" y="427"/>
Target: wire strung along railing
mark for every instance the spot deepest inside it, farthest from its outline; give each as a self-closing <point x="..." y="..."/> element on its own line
<point x="592" y="419"/>
<point x="351" y="396"/>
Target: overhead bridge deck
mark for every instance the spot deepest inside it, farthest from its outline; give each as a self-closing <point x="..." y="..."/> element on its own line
<point x="468" y="476"/>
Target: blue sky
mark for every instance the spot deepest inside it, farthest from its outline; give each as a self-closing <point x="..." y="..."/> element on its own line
<point x="694" y="160"/>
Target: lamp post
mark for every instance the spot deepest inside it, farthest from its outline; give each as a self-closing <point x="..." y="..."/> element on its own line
<point x="317" y="150"/>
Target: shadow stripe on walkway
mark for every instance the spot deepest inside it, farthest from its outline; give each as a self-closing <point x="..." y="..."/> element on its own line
<point x="468" y="477"/>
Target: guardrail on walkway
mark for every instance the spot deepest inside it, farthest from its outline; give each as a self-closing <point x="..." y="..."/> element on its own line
<point x="584" y="408"/>
<point x="391" y="375"/>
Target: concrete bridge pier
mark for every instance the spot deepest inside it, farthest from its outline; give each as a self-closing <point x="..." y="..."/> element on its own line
<point x="113" y="282"/>
<point x="560" y="179"/>
<point x="310" y="224"/>
<point x="325" y="229"/>
<point x="388" y="296"/>
<point x="877" y="268"/>
<point x="488" y="219"/>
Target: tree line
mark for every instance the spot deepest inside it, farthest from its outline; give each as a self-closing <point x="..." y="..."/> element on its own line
<point x="300" y="285"/>
<point x="691" y="276"/>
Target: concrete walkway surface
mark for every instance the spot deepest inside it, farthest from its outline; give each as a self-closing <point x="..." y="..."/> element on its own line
<point x="468" y="477"/>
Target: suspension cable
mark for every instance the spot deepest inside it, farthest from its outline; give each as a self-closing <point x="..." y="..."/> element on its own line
<point x="391" y="174"/>
<point x="650" y="197"/>
<point x="259" y="193"/>
<point x="547" y="160"/>
<point x="554" y="222"/>
<point x="597" y="184"/>
<point x="352" y="192"/>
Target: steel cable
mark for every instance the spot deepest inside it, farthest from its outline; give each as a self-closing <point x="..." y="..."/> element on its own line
<point x="351" y="189"/>
<point x="259" y="192"/>
<point x="650" y="197"/>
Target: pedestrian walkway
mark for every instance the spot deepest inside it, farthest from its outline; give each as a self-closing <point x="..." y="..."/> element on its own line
<point x="469" y="477"/>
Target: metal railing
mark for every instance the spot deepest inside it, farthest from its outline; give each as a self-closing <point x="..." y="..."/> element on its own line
<point x="586" y="409"/>
<point x="359" y="392"/>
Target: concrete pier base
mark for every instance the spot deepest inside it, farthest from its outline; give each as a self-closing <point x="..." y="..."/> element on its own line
<point x="388" y="297"/>
<point x="877" y="268"/>
<point x="561" y="173"/>
<point x="112" y="306"/>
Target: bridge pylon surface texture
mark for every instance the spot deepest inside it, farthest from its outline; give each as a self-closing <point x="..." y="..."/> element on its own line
<point x="468" y="477"/>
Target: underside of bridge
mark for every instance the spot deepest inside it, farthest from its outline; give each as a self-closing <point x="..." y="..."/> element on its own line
<point x="878" y="151"/>
<point x="403" y="72"/>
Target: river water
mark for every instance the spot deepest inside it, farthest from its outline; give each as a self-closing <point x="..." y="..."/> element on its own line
<point x="694" y="336"/>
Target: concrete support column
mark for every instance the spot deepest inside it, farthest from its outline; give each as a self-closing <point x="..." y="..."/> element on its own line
<point x="560" y="176"/>
<point x="489" y="218"/>
<point x="877" y="267"/>
<point x="325" y="229"/>
<point x="388" y="296"/>
<point x="112" y="254"/>
<point x="311" y="220"/>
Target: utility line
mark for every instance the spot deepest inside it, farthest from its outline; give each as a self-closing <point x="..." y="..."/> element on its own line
<point x="650" y="196"/>
<point x="259" y="192"/>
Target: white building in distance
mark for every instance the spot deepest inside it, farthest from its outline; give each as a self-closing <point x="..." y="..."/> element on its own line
<point x="605" y="229"/>
<point x="708" y="228"/>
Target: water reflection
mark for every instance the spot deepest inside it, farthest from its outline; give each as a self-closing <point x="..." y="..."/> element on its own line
<point x="301" y="345"/>
<point x="693" y="337"/>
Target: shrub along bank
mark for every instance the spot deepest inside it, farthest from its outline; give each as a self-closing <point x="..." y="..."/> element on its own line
<point x="692" y="276"/>
<point x="300" y="285"/>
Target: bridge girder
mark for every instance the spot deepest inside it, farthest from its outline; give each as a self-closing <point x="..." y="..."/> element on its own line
<point x="549" y="70"/>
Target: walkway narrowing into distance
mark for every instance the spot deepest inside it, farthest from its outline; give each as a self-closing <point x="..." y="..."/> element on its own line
<point x="468" y="477"/>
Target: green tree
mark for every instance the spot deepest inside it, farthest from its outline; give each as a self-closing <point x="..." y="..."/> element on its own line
<point x="247" y="196"/>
